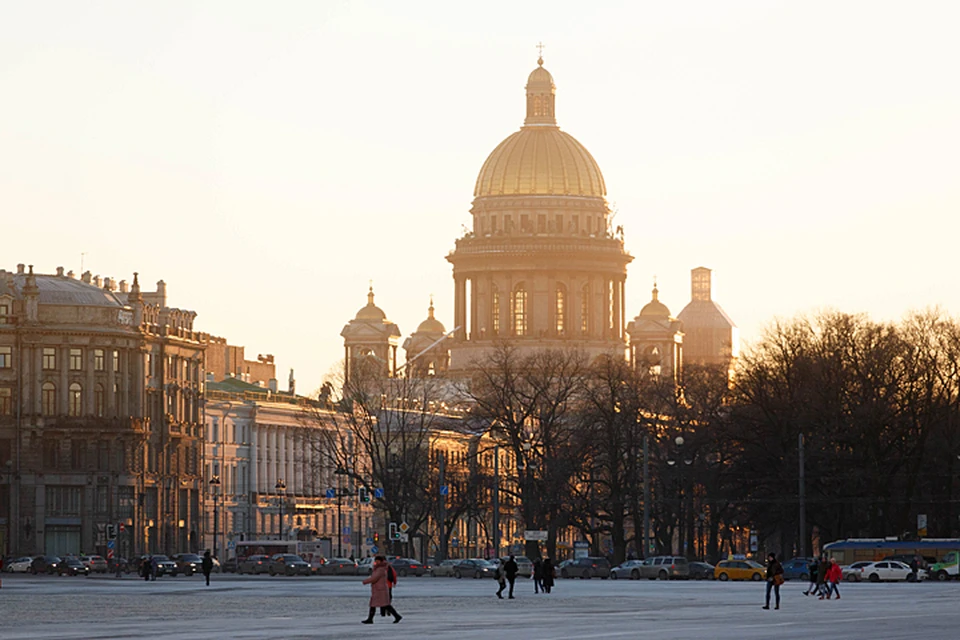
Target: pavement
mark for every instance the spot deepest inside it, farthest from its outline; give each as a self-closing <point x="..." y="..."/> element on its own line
<point x="62" y="608"/>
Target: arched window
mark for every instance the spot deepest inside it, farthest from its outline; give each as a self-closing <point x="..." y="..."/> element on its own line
<point x="75" y="400"/>
<point x="98" y="400"/>
<point x="48" y="399"/>
<point x="585" y="309"/>
<point x="537" y="106"/>
<point x="518" y="308"/>
<point x="495" y="309"/>
<point x="561" y="309"/>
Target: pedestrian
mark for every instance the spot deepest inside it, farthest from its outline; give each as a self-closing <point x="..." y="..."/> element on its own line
<point x="391" y="583"/>
<point x="206" y="565"/>
<point x="774" y="578"/>
<point x="510" y="568"/>
<point x="822" y="577"/>
<point x="380" y="591"/>
<point x="537" y="575"/>
<point x="813" y="568"/>
<point x="915" y="567"/>
<point x="833" y="578"/>
<point x="549" y="573"/>
<point x="501" y="576"/>
<point x="154" y="567"/>
<point x="145" y="568"/>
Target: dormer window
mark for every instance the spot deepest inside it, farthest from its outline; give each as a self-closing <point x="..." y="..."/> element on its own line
<point x="4" y="312"/>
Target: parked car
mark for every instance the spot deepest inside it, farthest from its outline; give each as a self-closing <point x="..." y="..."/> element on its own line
<point x="474" y="568"/>
<point x="629" y="569"/>
<point x="18" y="565"/>
<point x="408" y="566"/>
<point x="907" y="558"/>
<point x="230" y="565"/>
<point x="854" y="572"/>
<point x="72" y="567"/>
<point x="187" y="563"/>
<point x="255" y="564"/>
<point x="587" y="568"/>
<point x="701" y="570"/>
<point x="339" y="567"/>
<point x="665" y="568"/>
<point x="94" y="564"/>
<point x="739" y="570"/>
<point x="797" y="569"/>
<point x="45" y="564"/>
<point x="444" y="569"/>
<point x="164" y="565"/>
<point x="288" y="564"/>
<point x="891" y="570"/>
<point x="365" y="567"/>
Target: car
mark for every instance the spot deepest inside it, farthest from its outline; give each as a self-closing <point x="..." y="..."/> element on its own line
<point x="890" y="570"/>
<point x="739" y="570"/>
<point x="629" y="569"/>
<point x="230" y="565"/>
<point x="339" y="567"/>
<point x="45" y="564"/>
<point x="797" y="569"/>
<point x="365" y="566"/>
<point x="164" y="565"/>
<point x="95" y="564"/>
<point x="255" y="564"/>
<point x="72" y="567"/>
<point x="854" y="572"/>
<point x="444" y="569"/>
<point x="701" y="570"/>
<point x="587" y="568"/>
<point x="288" y="564"/>
<point x="408" y="566"/>
<point x="524" y="566"/>
<point x="188" y="563"/>
<point x="18" y="565"/>
<point x="665" y="568"/>
<point x="907" y="559"/>
<point x="474" y="568"/>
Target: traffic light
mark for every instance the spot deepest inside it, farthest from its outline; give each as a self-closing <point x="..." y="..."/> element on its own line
<point x="111" y="531"/>
<point x="363" y="495"/>
<point x="376" y="537"/>
<point x="394" y="534"/>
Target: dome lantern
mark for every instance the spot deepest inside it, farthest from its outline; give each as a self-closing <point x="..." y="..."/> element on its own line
<point x="541" y="98"/>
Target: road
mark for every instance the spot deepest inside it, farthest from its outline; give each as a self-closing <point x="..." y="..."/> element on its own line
<point x="327" y="607"/>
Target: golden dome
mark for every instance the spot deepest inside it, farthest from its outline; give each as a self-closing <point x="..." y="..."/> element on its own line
<point x="655" y="308"/>
<point x="371" y="311"/>
<point x="540" y="159"/>
<point x="431" y="324"/>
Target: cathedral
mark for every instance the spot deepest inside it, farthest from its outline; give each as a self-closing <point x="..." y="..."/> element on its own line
<point x="542" y="268"/>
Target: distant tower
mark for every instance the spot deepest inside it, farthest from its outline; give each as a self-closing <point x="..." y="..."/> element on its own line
<point x="429" y="346"/>
<point x="292" y="384"/>
<point x="656" y="340"/>
<point x="370" y="340"/>
<point x="711" y="337"/>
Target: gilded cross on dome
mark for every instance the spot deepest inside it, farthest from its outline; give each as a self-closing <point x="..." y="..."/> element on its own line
<point x="540" y="53"/>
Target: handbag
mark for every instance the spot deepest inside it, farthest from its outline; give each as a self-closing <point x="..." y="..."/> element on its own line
<point x="778" y="579"/>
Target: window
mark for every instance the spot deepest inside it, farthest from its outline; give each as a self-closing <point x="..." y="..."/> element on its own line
<point x="519" y="309"/>
<point x="49" y="358"/>
<point x="64" y="501"/>
<point x="78" y="451"/>
<point x="51" y="454"/>
<point x="98" y="363"/>
<point x="98" y="400"/>
<point x="6" y="357"/>
<point x="76" y="359"/>
<point x="585" y="309"/>
<point x="561" y="309"/>
<point x="6" y="401"/>
<point x="75" y="400"/>
<point x="4" y="313"/>
<point x="495" y="310"/>
<point x="116" y="361"/>
<point x="48" y="399"/>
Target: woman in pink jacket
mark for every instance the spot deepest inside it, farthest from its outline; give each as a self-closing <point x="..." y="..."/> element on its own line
<point x="380" y="591"/>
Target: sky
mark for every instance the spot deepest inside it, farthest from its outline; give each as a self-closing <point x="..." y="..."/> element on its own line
<point x="268" y="159"/>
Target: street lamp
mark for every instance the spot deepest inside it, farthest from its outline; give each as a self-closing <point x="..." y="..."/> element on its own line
<point x="686" y="462"/>
<point x="281" y="487"/>
<point x="215" y="487"/>
<point x="339" y="472"/>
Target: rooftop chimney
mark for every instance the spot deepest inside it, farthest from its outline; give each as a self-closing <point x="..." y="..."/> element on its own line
<point x="123" y="287"/>
<point x="97" y="281"/>
<point x="71" y="274"/>
<point x="20" y="268"/>
<point x="60" y="271"/>
<point x="86" y="277"/>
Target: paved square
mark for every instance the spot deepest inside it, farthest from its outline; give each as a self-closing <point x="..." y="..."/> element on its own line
<point x="326" y="607"/>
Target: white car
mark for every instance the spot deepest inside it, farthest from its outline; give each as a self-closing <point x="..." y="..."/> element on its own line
<point x="889" y="570"/>
<point x="20" y="565"/>
<point x="854" y="572"/>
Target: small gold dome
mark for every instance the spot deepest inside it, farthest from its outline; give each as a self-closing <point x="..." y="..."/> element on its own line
<point x="431" y="324"/>
<point x="371" y="311"/>
<point x="655" y="308"/>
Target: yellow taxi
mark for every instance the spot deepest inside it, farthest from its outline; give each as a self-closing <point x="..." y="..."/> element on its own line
<point x="739" y="570"/>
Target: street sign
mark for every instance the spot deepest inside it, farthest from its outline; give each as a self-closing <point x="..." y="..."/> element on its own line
<point x="331" y="493"/>
<point x="378" y="493"/>
<point x="580" y="549"/>
<point x="404" y="527"/>
<point x="753" y="542"/>
<point x="535" y="535"/>
<point x="346" y="539"/>
<point x="921" y="524"/>
<point x="445" y="490"/>
<point x="454" y="542"/>
<point x="231" y="544"/>
<point x="346" y="531"/>
<point x="374" y="549"/>
<point x="369" y="541"/>
<point x="404" y="537"/>
<point x="111" y="544"/>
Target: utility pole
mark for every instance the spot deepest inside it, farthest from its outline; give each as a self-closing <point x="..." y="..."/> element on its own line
<point x="442" y="459"/>
<point x="496" y="500"/>
<point x="646" y="496"/>
<point x="803" y="502"/>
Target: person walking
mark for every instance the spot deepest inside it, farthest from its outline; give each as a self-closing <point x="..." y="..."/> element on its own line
<point x="145" y="568"/>
<point x="548" y="575"/>
<point x="813" y="569"/>
<point x="822" y="577"/>
<point x="206" y="565"/>
<point x="511" y="569"/>
<point x="537" y="575"/>
<point x="380" y="592"/>
<point x="774" y="578"/>
<point x="833" y="578"/>
<point x="501" y="576"/>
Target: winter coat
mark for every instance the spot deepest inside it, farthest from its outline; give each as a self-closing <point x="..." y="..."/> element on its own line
<point x="379" y="588"/>
<point x="500" y="574"/>
<point x="510" y="568"/>
<point x="773" y="568"/>
<point x="834" y="573"/>
<point x="537" y="569"/>
<point x="547" y="573"/>
<point x="206" y="565"/>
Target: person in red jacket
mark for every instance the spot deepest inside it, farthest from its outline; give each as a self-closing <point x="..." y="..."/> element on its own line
<point x="834" y="576"/>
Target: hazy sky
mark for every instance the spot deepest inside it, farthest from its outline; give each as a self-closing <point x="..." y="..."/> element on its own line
<point x="267" y="159"/>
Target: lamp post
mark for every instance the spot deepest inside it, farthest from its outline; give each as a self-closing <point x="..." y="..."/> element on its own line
<point x="680" y="462"/>
<point x="340" y="472"/>
<point x="215" y="487"/>
<point x="281" y="487"/>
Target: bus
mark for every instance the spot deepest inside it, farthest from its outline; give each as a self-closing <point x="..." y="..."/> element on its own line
<point x="944" y="550"/>
<point x="312" y="552"/>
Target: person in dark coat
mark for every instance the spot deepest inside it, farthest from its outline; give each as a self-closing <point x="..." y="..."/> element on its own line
<point x="548" y="575"/>
<point x="146" y="568"/>
<point x="537" y="575"/>
<point x="380" y="591"/>
<point x="206" y="565"/>
<point x="813" y="569"/>
<point x="511" y="569"/>
<point x="774" y="578"/>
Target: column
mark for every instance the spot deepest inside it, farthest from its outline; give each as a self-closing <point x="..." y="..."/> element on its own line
<point x="254" y="440"/>
<point x="38" y="379"/>
<point x="89" y="381"/>
<point x="282" y="454"/>
<point x="617" y="332"/>
<point x="63" y="361"/>
<point x="110" y="409"/>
